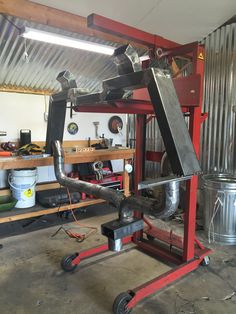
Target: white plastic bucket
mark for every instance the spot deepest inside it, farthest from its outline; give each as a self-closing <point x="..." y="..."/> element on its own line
<point x="22" y="183"/>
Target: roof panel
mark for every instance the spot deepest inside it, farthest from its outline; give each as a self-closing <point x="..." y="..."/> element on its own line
<point x="47" y="60"/>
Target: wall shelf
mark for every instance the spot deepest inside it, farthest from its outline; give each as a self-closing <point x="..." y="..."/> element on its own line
<point x="7" y="163"/>
<point x="24" y="213"/>
<point x="70" y="158"/>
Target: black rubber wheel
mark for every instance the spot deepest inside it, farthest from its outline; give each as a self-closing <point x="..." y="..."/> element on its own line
<point x="149" y="237"/>
<point x="120" y="303"/>
<point x="205" y="261"/>
<point x="66" y="263"/>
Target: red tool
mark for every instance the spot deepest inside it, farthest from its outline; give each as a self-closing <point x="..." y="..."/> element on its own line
<point x="5" y="154"/>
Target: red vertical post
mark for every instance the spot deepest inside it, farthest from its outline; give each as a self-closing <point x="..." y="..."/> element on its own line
<point x="140" y="154"/>
<point x="192" y="185"/>
<point x="139" y="150"/>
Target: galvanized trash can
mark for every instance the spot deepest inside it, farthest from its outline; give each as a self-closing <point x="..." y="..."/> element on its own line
<point x="220" y="208"/>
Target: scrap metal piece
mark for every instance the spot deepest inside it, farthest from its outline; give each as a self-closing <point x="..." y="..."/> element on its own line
<point x="172" y="125"/>
<point x="118" y="229"/>
<point x="56" y="122"/>
<point x="66" y="80"/>
<point x="115" y="245"/>
<point x="127" y="60"/>
<point x="57" y="108"/>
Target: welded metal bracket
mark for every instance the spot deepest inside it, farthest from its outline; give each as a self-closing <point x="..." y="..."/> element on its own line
<point x="147" y="184"/>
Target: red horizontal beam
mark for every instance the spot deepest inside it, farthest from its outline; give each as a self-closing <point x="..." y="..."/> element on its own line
<point x="159" y="252"/>
<point x="187" y="89"/>
<point x="131" y="108"/>
<point x="180" y="50"/>
<point x="165" y="279"/>
<point x="168" y="237"/>
<point x="130" y="33"/>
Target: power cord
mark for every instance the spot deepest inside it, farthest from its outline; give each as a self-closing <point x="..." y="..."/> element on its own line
<point x="80" y="237"/>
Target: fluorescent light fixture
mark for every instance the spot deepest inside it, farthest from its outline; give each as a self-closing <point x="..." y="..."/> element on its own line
<point x="57" y="39"/>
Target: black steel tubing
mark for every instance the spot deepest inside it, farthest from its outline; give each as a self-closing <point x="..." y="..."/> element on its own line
<point x="125" y="205"/>
<point x="112" y="196"/>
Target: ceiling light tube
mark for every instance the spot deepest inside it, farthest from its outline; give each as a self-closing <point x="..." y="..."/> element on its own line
<point x="66" y="41"/>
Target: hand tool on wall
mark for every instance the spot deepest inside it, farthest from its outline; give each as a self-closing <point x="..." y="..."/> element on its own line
<point x="96" y="124"/>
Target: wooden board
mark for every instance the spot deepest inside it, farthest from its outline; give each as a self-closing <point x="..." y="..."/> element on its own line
<point x="70" y="158"/>
<point x="71" y="144"/>
<point x="42" y="14"/>
<point x="19" y="214"/>
<point x="66" y="144"/>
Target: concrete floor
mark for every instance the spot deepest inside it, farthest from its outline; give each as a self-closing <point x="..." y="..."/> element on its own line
<point x="31" y="280"/>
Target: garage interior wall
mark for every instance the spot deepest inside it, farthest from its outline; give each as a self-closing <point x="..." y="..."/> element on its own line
<point x="26" y="111"/>
<point x="218" y="132"/>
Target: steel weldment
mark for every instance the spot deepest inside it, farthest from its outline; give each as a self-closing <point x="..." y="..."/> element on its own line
<point x="163" y="97"/>
<point x="180" y="147"/>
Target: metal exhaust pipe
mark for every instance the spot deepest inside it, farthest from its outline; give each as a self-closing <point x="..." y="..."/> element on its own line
<point x="125" y="205"/>
<point x="112" y="196"/>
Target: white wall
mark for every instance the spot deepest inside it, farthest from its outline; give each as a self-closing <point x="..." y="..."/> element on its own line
<point x="23" y="111"/>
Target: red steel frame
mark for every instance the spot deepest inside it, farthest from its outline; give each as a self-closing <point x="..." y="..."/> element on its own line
<point x="193" y="252"/>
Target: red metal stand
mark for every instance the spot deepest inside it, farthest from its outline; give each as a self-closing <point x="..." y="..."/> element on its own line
<point x="187" y="253"/>
<point x="95" y="251"/>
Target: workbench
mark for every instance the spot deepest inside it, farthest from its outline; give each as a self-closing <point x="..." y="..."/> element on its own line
<point x="7" y="163"/>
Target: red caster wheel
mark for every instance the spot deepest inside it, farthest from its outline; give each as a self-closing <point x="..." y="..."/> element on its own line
<point x="66" y="263"/>
<point x="120" y="303"/>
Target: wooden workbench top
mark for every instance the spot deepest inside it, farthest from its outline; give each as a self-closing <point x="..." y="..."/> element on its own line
<point x="70" y="158"/>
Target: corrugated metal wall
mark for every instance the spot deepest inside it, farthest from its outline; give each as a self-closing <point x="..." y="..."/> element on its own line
<point x="153" y="143"/>
<point x="218" y="153"/>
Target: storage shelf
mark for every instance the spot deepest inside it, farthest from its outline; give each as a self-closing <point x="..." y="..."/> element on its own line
<point x="70" y="158"/>
<point x="24" y="213"/>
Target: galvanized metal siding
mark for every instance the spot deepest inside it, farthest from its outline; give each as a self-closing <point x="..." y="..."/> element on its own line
<point x="46" y="60"/>
<point x="154" y="143"/>
<point x="218" y="150"/>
